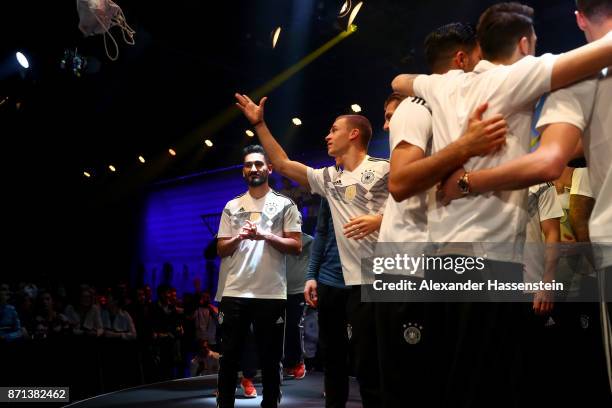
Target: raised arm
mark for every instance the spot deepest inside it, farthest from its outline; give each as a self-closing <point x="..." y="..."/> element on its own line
<point x="582" y="62"/>
<point x="280" y="161"/>
<point x="403" y="84"/>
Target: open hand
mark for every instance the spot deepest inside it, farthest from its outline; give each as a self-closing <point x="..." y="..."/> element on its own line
<point x="310" y="293"/>
<point x="543" y="302"/>
<point x="362" y="226"/>
<point x="253" y="112"/>
<point x="484" y="137"/>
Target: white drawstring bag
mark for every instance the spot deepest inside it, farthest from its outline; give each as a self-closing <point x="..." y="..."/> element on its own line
<point x="98" y="16"/>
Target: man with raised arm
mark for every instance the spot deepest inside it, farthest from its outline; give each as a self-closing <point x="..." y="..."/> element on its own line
<point x="356" y="189"/>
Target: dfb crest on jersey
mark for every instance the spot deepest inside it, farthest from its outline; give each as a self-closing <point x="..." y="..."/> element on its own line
<point x="349" y="331"/>
<point x="270" y="209"/>
<point x="220" y="317"/>
<point x="367" y="177"/>
<point x="412" y="333"/>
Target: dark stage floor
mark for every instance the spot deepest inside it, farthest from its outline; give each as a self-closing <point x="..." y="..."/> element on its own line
<point x="199" y="392"/>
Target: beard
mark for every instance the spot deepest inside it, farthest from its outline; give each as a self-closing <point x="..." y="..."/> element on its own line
<point x="256" y="180"/>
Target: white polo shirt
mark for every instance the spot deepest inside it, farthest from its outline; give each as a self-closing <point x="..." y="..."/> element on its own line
<point x="587" y="106"/>
<point x="256" y="269"/>
<point x="351" y="194"/>
<point x="512" y="90"/>
<point x="406" y="221"/>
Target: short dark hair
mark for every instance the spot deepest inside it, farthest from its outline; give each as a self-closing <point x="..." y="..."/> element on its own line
<point x="501" y="26"/>
<point x="443" y="42"/>
<point x="361" y="123"/>
<point x="255" y="149"/>
<point x="595" y="8"/>
<point x="395" y="96"/>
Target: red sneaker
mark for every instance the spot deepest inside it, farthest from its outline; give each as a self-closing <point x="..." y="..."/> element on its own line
<point x="248" y="388"/>
<point x="299" y="371"/>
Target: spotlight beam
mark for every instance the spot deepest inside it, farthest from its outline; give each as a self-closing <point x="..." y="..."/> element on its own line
<point x="213" y="126"/>
<point x="298" y="66"/>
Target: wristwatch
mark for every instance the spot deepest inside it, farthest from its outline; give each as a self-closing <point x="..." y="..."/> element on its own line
<point x="464" y="184"/>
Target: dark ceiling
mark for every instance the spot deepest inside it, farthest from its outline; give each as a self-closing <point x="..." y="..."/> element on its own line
<point x="174" y="87"/>
<point x="192" y="55"/>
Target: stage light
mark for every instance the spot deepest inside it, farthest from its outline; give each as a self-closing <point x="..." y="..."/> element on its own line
<point x="23" y="61"/>
<point x="208" y="143"/>
<point x="345" y="7"/>
<point x="275" y="36"/>
<point x="355" y="108"/>
<point x="296" y="121"/>
<point x="354" y="15"/>
<point x="172" y="152"/>
<point x="249" y="133"/>
<point x="112" y="168"/>
<point x="141" y="159"/>
<point x="87" y="174"/>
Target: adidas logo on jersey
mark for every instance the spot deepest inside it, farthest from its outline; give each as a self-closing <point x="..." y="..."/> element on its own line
<point x="280" y="320"/>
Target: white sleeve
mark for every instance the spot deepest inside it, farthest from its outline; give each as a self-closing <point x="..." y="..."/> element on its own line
<point x="525" y="81"/>
<point x="410" y="123"/>
<point x="580" y="183"/>
<point x="549" y="205"/>
<point x="225" y="225"/>
<point x="316" y="180"/>
<point x="571" y="105"/>
<point x="292" y="219"/>
<point x="424" y="86"/>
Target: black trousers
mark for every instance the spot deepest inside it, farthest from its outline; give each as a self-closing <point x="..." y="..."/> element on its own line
<point x="268" y="319"/>
<point x="334" y="343"/>
<point x="294" y="333"/>
<point x="250" y="358"/>
<point x="485" y="366"/>
<point x="363" y="342"/>
<point x="407" y="352"/>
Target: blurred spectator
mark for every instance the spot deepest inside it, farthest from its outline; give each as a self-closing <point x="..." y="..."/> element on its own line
<point x="30" y="289"/>
<point x="206" y="361"/>
<point x="140" y="311"/>
<point x="205" y="319"/>
<point x="117" y="322"/>
<point x="49" y="322"/>
<point x="85" y="318"/>
<point x="10" y="326"/>
<point x="25" y="310"/>
<point x="167" y="331"/>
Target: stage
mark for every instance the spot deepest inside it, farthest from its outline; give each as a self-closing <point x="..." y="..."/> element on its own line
<point x="200" y="392"/>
